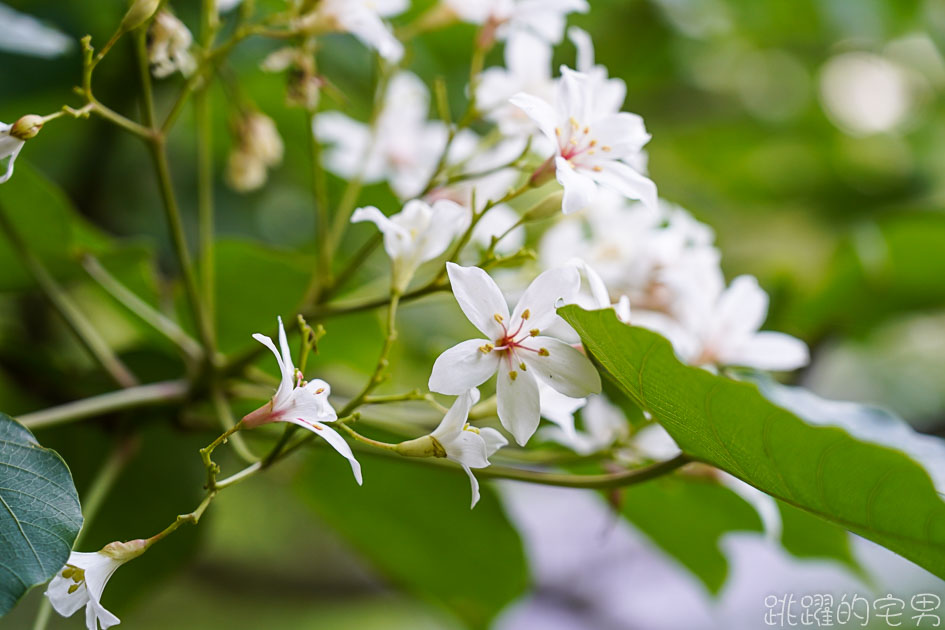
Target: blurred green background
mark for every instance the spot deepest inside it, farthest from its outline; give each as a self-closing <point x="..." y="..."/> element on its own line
<point x="807" y="133"/>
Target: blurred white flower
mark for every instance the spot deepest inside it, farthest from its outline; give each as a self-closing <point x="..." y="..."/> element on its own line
<point x="259" y="147"/>
<point x="363" y="19"/>
<point x="300" y="403"/>
<point x="560" y="410"/>
<point x="10" y="147"/>
<point x="545" y="18"/>
<point x="592" y="147"/>
<point x="610" y="93"/>
<point x="169" y="44"/>
<point x="227" y="5"/>
<point x="418" y="233"/>
<point x="404" y="147"/>
<point x="83" y="579"/>
<point x="604" y="425"/>
<point x="468" y="446"/>
<point x="514" y="347"/>
<point x="717" y="329"/>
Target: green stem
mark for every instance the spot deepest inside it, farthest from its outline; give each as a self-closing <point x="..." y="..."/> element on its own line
<point x="82" y="327"/>
<point x="610" y="480"/>
<point x="364" y="439"/>
<point x="203" y="121"/>
<point x="142" y="309"/>
<point x="225" y="414"/>
<point x="323" y="271"/>
<point x="382" y="362"/>
<point x="160" y="393"/>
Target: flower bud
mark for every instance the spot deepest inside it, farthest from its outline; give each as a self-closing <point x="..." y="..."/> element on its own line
<point x="426" y="446"/>
<point x="543" y="173"/>
<point x="544" y="209"/>
<point x="125" y="551"/>
<point x="26" y="127"/>
<point x="138" y="14"/>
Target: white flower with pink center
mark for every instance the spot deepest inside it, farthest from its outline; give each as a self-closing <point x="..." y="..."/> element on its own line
<point x="514" y="347"/>
<point x="593" y="145"/>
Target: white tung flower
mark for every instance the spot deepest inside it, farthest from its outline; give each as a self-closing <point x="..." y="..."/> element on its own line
<point x="718" y="329"/>
<point x="604" y="424"/>
<point x="403" y="148"/>
<point x="300" y="403"/>
<point x="466" y="445"/>
<point x="10" y="147"/>
<point x="82" y="581"/>
<point x="592" y="145"/>
<point x="514" y="346"/>
<point x="418" y="233"/>
<point x="169" y="46"/>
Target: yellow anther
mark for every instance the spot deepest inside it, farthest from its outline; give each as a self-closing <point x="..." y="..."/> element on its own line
<point x="557" y="131"/>
<point x="574" y="123"/>
<point x="68" y="571"/>
<point x="319" y="390"/>
<point x="593" y="143"/>
<point x="498" y="318"/>
<point x="526" y="314"/>
<point x="486" y="348"/>
<point x="605" y="148"/>
<point x="534" y="332"/>
<point x="522" y="365"/>
<point x="73" y="588"/>
<point x="513" y="375"/>
<point x="573" y="142"/>
<point x="469" y="427"/>
<point x="543" y="352"/>
<point x="587" y="130"/>
<point x="597" y="169"/>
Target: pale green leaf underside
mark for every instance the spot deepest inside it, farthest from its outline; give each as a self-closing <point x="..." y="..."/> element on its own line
<point x="873" y="491"/>
<point x="40" y="515"/>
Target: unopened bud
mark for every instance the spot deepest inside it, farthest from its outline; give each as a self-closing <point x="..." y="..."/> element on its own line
<point x="26" y="127"/>
<point x="544" y="209"/>
<point x="543" y="173"/>
<point x="125" y="551"/>
<point x="139" y="13"/>
<point x="426" y="446"/>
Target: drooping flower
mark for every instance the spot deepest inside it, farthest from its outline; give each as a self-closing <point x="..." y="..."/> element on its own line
<point x="83" y="579"/>
<point x="418" y="233"/>
<point x="12" y="139"/>
<point x="403" y="148"/>
<point x="169" y="43"/>
<point x="722" y="328"/>
<point x="514" y="346"/>
<point x="545" y="18"/>
<point x="468" y="446"/>
<point x="259" y="147"/>
<point x="361" y="18"/>
<point x="592" y="146"/>
<point x="301" y="403"/>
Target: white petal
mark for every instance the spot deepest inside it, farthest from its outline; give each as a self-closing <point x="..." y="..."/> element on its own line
<point x="626" y="181"/>
<point x="64" y="602"/>
<point x="467" y="448"/>
<point x="769" y="351"/>
<point x="579" y="189"/>
<point x="480" y="298"/>
<point x="311" y="403"/>
<point x="539" y="111"/>
<point x="565" y="369"/>
<point x="448" y="220"/>
<point x="518" y="403"/>
<point x="455" y="419"/>
<point x="585" y="48"/>
<point x="95" y="615"/>
<point x="287" y="383"/>
<point x="286" y="353"/>
<point x="334" y="439"/>
<point x="493" y="439"/>
<point x="559" y="408"/>
<point x="9" y="172"/>
<point x="741" y="309"/>
<point x="544" y="294"/>
<point x="462" y="367"/>
<point x="474" y="484"/>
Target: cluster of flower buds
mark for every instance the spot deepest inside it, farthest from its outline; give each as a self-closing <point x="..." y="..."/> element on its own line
<point x="258" y="148"/>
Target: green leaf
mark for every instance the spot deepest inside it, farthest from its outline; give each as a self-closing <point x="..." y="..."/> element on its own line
<point x="871" y="490"/>
<point x="686" y="517"/>
<point x="804" y="535"/>
<point x="40" y="515"/>
<point x="413" y="523"/>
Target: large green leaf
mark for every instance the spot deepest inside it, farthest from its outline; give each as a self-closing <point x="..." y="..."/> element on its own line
<point x="871" y="490"/>
<point x="40" y="515"/>
<point x="686" y="517"/>
<point x="414" y="524"/>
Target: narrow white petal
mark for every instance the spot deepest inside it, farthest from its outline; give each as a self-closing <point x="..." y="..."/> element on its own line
<point x="286" y="352"/>
<point x="334" y="439"/>
<point x="562" y="367"/>
<point x="544" y="294"/>
<point x="287" y="382"/>
<point x="448" y="220"/>
<point x="539" y="111"/>
<point x="741" y="309"/>
<point x="480" y="298"/>
<point x="96" y="615"/>
<point x="493" y="439"/>
<point x="474" y="484"/>
<point x="626" y="181"/>
<point x="462" y="367"/>
<point x="455" y="419"/>
<point x="585" y="48"/>
<point x="467" y="448"/>
<point x="518" y="402"/>
<point x="579" y="189"/>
